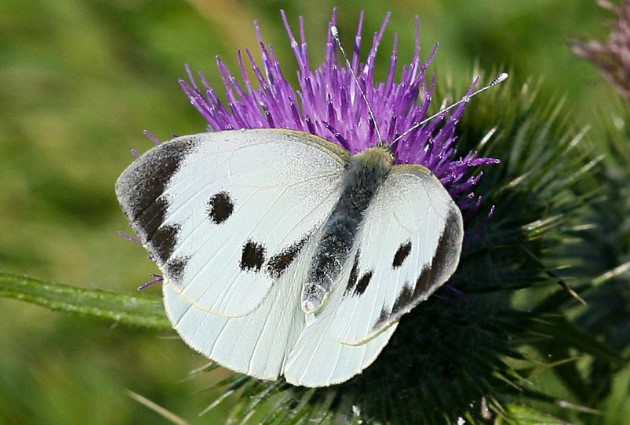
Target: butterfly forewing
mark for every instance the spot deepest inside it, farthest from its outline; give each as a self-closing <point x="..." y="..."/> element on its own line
<point x="224" y="214"/>
<point x="409" y="245"/>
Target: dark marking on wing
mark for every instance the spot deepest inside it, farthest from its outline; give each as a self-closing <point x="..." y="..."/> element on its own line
<point x="440" y="260"/>
<point x="162" y="242"/>
<point x="278" y="264"/>
<point x="253" y="256"/>
<point x="175" y="269"/>
<point x="142" y="184"/>
<point x="220" y="207"/>
<point x="149" y="221"/>
<point x="140" y="191"/>
<point x="354" y="275"/>
<point x="404" y="298"/>
<point x="424" y="281"/>
<point x="401" y="254"/>
<point x="363" y="283"/>
<point x="383" y="315"/>
<point x="431" y="275"/>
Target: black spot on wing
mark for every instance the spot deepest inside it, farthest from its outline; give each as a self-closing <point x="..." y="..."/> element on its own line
<point x="401" y="254"/>
<point x="175" y="269"/>
<point x="162" y="243"/>
<point x="220" y="207"/>
<point x="278" y="264"/>
<point x="354" y="275"/>
<point x="363" y="283"/>
<point x="253" y="256"/>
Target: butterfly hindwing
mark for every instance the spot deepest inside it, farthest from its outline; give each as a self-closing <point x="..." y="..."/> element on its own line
<point x="224" y="214"/>
<point x="256" y="343"/>
<point x="319" y="358"/>
<point x="409" y="245"/>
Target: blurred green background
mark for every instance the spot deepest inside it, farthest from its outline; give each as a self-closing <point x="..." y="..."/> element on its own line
<point x="79" y="82"/>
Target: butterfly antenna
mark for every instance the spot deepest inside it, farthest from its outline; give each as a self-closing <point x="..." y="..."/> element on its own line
<point x="335" y="34"/>
<point x="501" y="78"/>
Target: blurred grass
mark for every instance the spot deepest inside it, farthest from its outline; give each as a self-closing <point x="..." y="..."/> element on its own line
<point x="80" y="80"/>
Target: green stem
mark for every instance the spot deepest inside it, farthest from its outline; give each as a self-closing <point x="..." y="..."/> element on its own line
<point x="137" y="309"/>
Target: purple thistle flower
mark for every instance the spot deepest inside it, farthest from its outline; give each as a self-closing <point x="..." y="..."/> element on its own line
<point x="613" y="56"/>
<point x="328" y="103"/>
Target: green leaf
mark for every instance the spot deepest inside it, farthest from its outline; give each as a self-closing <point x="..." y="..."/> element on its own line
<point x="523" y="415"/>
<point x="137" y="309"/>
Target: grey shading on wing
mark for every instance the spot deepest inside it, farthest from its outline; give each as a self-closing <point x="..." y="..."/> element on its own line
<point x="225" y="214"/>
<point x="409" y="246"/>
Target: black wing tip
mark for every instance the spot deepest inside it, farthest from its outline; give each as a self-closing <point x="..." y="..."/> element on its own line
<point x="148" y="176"/>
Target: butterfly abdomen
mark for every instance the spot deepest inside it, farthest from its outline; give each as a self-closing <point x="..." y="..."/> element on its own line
<point x="363" y="176"/>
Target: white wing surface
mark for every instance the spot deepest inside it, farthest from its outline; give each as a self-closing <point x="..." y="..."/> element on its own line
<point x="409" y="245"/>
<point x="318" y="358"/>
<point x="256" y="343"/>
<point x="225" y="214"/>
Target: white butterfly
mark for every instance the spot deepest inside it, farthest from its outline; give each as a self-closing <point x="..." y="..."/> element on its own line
<point x="282" y="254"/>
